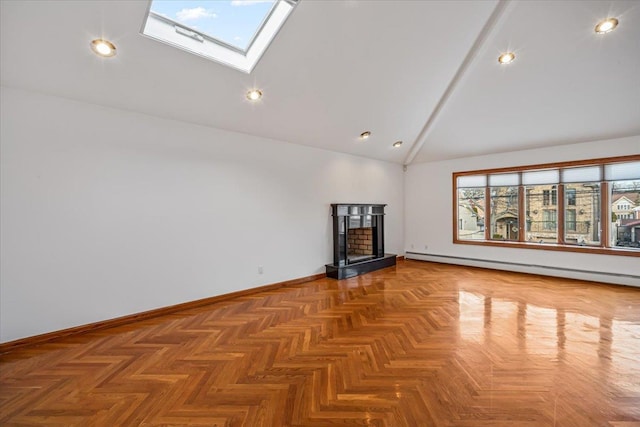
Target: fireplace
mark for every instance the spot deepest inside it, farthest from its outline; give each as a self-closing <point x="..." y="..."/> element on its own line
<point x="358" y="240"/>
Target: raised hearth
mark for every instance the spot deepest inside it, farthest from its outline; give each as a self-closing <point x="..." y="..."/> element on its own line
<point x="358" y="240"/>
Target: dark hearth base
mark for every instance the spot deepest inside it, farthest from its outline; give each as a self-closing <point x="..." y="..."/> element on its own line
<point x="358" y="268"/>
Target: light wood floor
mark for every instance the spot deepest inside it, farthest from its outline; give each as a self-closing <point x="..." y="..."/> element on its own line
<point x="422" y="344"/>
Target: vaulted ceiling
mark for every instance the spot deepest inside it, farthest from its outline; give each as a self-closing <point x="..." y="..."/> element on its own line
<point x="423" y="72"/>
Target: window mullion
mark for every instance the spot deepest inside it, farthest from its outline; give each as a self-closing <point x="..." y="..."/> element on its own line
<point x="561" y="214"/>
<point x="521" y="213"/>
<point x="605" y="215"/>
<point x="487" y="213"/>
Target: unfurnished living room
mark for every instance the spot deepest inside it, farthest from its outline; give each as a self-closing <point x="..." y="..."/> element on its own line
<point x="320" y="213"/>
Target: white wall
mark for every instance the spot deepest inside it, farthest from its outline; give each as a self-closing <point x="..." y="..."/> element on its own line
<point x="428" y="206"/>
<point x="106" y="212"/>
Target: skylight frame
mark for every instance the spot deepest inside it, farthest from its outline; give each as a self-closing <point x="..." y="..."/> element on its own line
<point x="263" y="23"/>
<point x="215" y="49"/>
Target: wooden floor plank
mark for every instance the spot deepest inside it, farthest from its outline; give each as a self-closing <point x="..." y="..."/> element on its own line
<point x="421" y="344"/>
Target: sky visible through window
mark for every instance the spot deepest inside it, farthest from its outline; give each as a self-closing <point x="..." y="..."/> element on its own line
<point x="231" y="21"/>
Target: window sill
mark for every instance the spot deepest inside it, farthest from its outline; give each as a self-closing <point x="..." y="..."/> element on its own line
<point x="553" y="247"/>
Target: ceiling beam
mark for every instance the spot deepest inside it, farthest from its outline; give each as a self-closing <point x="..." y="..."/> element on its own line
<point x="488" y="27"/>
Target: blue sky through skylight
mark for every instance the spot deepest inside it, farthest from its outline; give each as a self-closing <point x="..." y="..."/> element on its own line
<point x="231" y="21"/>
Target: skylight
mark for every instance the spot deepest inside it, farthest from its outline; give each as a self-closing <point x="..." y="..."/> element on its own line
<point x="233" y="32"/>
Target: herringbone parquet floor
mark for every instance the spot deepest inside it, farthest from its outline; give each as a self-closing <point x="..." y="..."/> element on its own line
<point x="422" y="344"/>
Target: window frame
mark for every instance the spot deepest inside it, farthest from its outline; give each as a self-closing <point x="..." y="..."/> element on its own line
<point x="604" y="247"/>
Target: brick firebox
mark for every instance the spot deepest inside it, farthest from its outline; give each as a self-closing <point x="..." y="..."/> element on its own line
<point x="360" y="241"/>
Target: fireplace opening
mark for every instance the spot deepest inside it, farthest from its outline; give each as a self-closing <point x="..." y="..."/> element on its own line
<point x="360" y="244"/>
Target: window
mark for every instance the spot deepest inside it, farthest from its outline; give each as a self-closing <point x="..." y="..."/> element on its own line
<point x="571" y="196"/>
<point x="471" y="213"/>
<point x="582" y="223"/>
<point x="587" y="206"/>
<point x="570" y="218"/>
<point x="233" y="32"/>
<point x="541" y="222"/>
<point x="625" y="229"/>
<point x="549" y="218"/>
<point x="504" y="213"/>
<point x="550" y="197"/>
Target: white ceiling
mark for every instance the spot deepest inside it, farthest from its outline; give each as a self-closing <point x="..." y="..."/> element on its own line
<point x="424" y="72"/>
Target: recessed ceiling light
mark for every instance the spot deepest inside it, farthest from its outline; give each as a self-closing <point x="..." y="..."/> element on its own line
<point x="103" y="48"/>
<point x="397" y="144"/>
<point x="606" y="26"/>
<point x="506" y="58"/>
<point x="254" y="95"/>
<point x="366" y="134"/>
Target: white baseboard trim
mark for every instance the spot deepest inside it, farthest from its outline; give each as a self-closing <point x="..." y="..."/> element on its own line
<point x="570" y="273"/>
